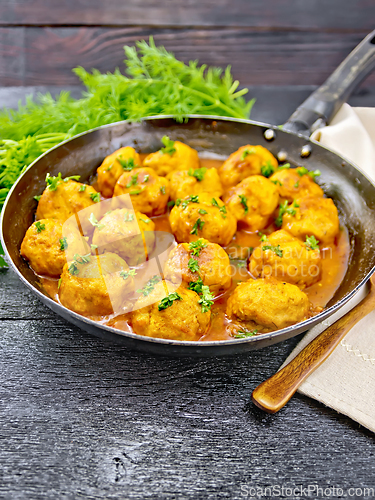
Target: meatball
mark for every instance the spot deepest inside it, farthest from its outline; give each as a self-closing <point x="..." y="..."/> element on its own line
<point x="246" y="161"/>
<point x="174" y="156"/>
<point x="184" y="183"/>
<point x="169" y="314"/>
<point x="96" y="285"/>
<point x="47" y="248"/>
<point x="287" y="258"/>
<point x="113" y="166"/>
<point x="312" y="216"/>
<point x="253" y="201"/>
<point x="199" y="260"/>
<point x="127" y="233"/>
<point x="148" y="192"/>
<point x="294" y="183"/>
<point x="269" y="303"/>
<point x="63" y="198"/>
<point x="202" y="216"/>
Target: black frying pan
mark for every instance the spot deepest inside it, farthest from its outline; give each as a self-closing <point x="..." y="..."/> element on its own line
<point x="352" y="192"/>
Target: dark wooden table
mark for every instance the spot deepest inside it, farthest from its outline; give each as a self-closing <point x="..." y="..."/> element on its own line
<point x="81" y="418"/>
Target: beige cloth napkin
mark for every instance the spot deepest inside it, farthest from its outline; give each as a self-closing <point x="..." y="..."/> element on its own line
<point x="346" y="380"/>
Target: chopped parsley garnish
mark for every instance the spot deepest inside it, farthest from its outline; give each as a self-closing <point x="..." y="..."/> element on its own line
<point x="193" y="265"/>
<point x="222" y="209"/>
<point x="303" y="171"/>
<point x="93" y="247"/>
<point x="136" y="191"/>
<point x="312" y="243"/>
<point x="39" y="226"/>
<point x="207" y="299"/>
<point x="171" y="203"/>
<point x="128" y="217"/>
<point x="283" y="167"/>
<point x="127" y="164"/>
<point x="190" y="199"/>
<point x="63" y="243"/>
<point x="198" y="173"/>
<point x="82" y="259"/>
<point x="268" y="169"/>
<point x="277" y="183"/>
<point x="149" y="286"/>
<point x="244" y="334"/>
<point x="59" y="283"/>
<point x="277" y="250"/>
<point x="95" y="197"/>
<point x="196" y="246"/>
<point x="125" y="274"/>
<point x="94" y="222"/>
<point x="202" y="211"/>
<point x="82" y="188"/>
<point x="169" y="148"/>
<point x="284" y="209"/>
<point x="162" y="189"/>
<point x="53" y="182"/>
<point x="37" y="198"/>
<point x="73" y="269"/>
<point x="146" y="178"/>
<point x="197" y="226"/>
<point x="263" y="237"/>
<point x="296" y="185"/>
<point x="146" y="221"/>
<point x="244" y="202"/>
<point x="133" y="181"/>
<point x="168" y="301"/>
<point x="215" y="203"/>
<point x="247" y="152"/>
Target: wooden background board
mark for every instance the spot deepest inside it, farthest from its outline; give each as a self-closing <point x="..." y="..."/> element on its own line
<point x="267" y="43"/>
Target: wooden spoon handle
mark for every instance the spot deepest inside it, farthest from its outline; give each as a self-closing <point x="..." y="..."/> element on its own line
<point x="272" y="394"/>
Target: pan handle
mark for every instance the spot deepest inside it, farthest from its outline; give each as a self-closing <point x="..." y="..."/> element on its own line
<point x="323" y="104"/>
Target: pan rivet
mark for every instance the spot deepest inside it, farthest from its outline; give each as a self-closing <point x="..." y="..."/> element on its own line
<point x="269" y="134"/>
<point x="306" y="151"/>
<point x="282" y="155"/>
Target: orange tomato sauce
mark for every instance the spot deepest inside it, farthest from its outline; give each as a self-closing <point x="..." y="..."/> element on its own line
<point x="335" y="258"/>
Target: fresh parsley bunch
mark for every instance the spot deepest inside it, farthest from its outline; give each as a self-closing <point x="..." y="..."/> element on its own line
<point x="156" y="83"/>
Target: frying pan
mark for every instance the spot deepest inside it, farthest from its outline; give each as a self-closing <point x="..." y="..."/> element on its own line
<point x="352" y="192"/>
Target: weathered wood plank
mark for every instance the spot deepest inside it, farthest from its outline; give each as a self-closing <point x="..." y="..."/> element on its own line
<point x="257" y="58"/>
<point x="317" y="14"/>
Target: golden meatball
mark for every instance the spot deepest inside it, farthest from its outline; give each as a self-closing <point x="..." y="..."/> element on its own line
<point x="287" y="258"/>
<point x="269" y="303"/>
<point x="313" y="216"/>
<point x="96" y="285"/>
<point x="202" y="216"/>
<point x="253" y="201"/>
<point x="184" y="183"/>
<point x="199" y="259"/>
<point x="113" y="166"/>
<point x="127" y="233"/>
<point x="174" y="156"/>
<point x="148" y="192"/>
<point x="46" y="247"/>
<point x="293" y="183"/>
<point x="246" y="161"/>
<point x="65" y="197"/>
<point x="169" y="314"/>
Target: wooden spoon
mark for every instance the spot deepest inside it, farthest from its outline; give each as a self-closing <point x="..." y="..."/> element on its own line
<point x="272" y="394"/>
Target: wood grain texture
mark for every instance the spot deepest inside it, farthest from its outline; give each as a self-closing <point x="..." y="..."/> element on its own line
<point x="82" y="418"/>
<point x="47" y="55"/>
<point x="317" y="14"/>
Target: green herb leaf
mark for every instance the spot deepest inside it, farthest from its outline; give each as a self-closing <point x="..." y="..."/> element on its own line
<point x="277" y="182"/>
<point x="198" y="173"/>
<point x="63" y="243"/>
<point x="82" y="259"/>
<point x="244" y="334"/>
<point x="95" y="197"/>
<point x="193" y="265"/>
<point x="207" y="299"/>
<point x="244" y="202"/>
<point x="128" y="217"/>
<point x="37" y="198"/>
<point x="73" y="269"/>
<point x="268" y="169"/>
<point x="197" y="226"/>
<point x="171" y="203"/>
<point x="149" y="286"/>
<point x="39" y="226"/>
<point x="312" y="243"/>
<point x="133" y="181"/>
<point x="202" y="211"/>
<point x="53" y="182"/>
<point x="196" y="246"/>
<point x="162" y="189"/>
<point x="94" y="222"/>
<point x="82" y="188"/>
<point x="277" y="250"/>
<point x="127" y="164"/>
<point x="125" y="274"/>
<point x="168" y="301"/>
<point x="247" y="152"/>
<point x="93" y="247"/>
<point x="146" y="221"/>
<point x="263" y="237"/>
<point x="284" y="209"/>
<point x="169" y="148"/>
